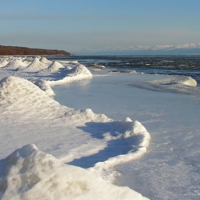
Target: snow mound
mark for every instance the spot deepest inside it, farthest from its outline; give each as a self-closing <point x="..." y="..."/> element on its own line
<point x="35" y="66"/>
<point x="189" y="81"/>
<point x="79" y="70"/>
<point x="20" y="95"/>
<point x="45" y="61"/>
<point x="14" y="64"/>
<point x="3" y="63"/>
<point x="177" y="80"/>
<point x="29" y="173"/>
<point x="77" y="73"/>
<point x="68" y="67"/>
<point x="42" y="84"/>
<point x="54" y="67"/>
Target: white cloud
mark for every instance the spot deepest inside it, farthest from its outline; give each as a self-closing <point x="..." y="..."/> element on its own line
<point x="160" y="47"/>
<point x="188" y="46"/>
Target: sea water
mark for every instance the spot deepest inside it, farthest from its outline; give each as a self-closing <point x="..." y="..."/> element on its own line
<point x="170" y="169"/>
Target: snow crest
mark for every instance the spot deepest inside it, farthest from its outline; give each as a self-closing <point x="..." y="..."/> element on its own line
<point x="176" y="81"/>
<point x="42" y="84"/>
<point x="3" y="63"/>
<point x="53" y="68"/>
<point x="31" y="174"/>
<point x="35" y="66"/>
<point x="135" y="137"/>
<point x="20" y="95"/>
<point x="77" y="73"/>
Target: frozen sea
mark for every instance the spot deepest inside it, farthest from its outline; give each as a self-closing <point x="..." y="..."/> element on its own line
<point x="170" y="112"/>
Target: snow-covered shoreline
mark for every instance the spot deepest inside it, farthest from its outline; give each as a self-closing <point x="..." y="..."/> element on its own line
<point x="30" y="115"/>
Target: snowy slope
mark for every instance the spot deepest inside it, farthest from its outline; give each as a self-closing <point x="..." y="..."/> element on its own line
<point x="77" y="73"/>
<point x="31" y="174"/>
<point x="35" y="66"/>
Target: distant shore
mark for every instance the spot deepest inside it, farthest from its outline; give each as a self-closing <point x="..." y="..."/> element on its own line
<point x="21" y="51"/>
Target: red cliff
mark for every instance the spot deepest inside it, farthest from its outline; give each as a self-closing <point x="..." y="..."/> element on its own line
<point x="12" y="50"/>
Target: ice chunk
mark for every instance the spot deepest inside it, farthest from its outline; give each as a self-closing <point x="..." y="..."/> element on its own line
<point x="177" y="80"/>
<point x="189" y="81"/>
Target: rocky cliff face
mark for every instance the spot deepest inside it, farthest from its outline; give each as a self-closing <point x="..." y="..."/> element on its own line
<point x="12" y="50"/>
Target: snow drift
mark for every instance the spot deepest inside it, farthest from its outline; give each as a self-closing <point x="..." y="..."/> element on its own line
<point x="45" y="61"/>
<point x="77" y="73"/>
<point x="42" y="84"/>
<point x="3" y="63"/>
<point x="53" y="68"/>
<point x="178" y="80"/>
<point x="19" y="95"/>
<point x="16" y="64"/>
<point x="35" y="66"/>
<point x="30" y="174"/>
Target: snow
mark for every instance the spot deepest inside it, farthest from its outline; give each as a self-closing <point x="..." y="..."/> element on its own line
<point x="77" y="73"/>
<point x="16" y="64"/>
<point x="29" y="115"/>
<point x="3" y="63"/>
<point x="178" y="80"/>
<point x="42" y="84"/>
<point x="35" y="66"/>
<point x="29" y="173"/>
<point x="45" y="61"/>
<point x="170" y="168"/>
<point x="55" y="67"/>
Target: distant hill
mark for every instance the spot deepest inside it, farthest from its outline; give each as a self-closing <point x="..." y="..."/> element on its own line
<point x="13" y="50"/>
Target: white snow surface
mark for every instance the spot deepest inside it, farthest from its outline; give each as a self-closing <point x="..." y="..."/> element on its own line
<point x="178" y="80"/>
<point x="3" y="62"/>
<point x="77" y="73"/>
<point x="43" y="85"/>
<point x="45" y="61"/>
<point x="36" y="66"/>
<point x="53" y="68"/>
<point x="30" y="116"/>
<point x="28" y="173"/>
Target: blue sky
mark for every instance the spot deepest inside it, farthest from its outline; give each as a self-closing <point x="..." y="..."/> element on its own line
<point x="89" y="26"/>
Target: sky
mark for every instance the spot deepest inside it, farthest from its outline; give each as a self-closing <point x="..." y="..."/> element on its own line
<point x="101" y="26"/>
